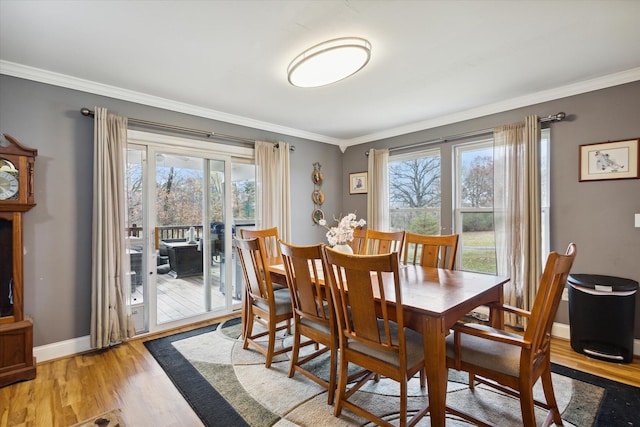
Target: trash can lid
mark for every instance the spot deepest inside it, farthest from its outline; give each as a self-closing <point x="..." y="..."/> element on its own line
<point x="617" y="284"/>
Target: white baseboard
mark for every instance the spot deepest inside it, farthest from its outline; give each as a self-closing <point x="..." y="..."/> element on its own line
<point x="79" y="345"/>
<point x="61" y="349"/>
<point x="561" y="330"/>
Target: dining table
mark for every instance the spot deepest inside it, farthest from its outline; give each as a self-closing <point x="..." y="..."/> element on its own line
<point x="433" y="300"/>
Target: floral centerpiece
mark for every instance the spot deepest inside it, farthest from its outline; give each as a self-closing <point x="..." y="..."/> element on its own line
<point x="342" y="234"/>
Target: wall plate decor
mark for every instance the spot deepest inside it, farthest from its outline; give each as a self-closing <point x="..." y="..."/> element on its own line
<point x="318" y="197"/>
<point x="609" y="160"/>
<point x="317" y="177"/>
<point x="317" y="215"/>
<point x="358" y="183"/>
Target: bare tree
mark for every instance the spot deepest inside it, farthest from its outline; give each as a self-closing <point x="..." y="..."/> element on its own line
<point x="477" y="183"/>
<point x="415" y="183"/>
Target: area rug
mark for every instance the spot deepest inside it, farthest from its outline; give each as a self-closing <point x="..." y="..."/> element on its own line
<point x="229" y="386"/>
<point x="111" y="418"/>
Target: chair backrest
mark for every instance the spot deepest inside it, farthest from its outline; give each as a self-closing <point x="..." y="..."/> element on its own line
<point x="545" y="305"/>
<point x="430" y="251"/>
<point x="256" y="277"/>
<point x="305" y="278"/>
<point x="384" y="242"/>
<point x="369" y="277"/>
<point x="269" y="238"/>
<point x="358" y="244"/>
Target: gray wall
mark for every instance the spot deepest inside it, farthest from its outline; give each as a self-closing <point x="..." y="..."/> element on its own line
<point x="597" y="216"/>
<point x="57" y="237"/>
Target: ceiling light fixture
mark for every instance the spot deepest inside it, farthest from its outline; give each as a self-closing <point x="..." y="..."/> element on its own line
<point x="329" y="62"/>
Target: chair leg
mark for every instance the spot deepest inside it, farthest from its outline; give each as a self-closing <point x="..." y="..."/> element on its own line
<point x="472" y="381"/>
<point x="342" y="386"/>
<point x="403" y="402"/>
<point x="547" y="387"/>
<point x="248" y="329"/>
<point x="526" y="406"/>
<point x="333" y="368"/>
<point x="271" y="344"/>
<point x="294" y="352"/>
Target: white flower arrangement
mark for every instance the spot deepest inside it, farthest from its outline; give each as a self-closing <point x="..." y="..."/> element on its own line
<point x="343" y="232"/>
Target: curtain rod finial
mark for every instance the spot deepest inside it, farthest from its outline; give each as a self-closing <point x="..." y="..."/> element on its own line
<point x="85" y="111"/>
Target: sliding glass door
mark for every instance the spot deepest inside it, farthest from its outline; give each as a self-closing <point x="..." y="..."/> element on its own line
<point x="183" y="209"/>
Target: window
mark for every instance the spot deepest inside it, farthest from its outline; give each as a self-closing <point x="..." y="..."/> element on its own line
<point x="415" y="192"/>
<point x="474" y="206"/>
<point x="415" y="197"/>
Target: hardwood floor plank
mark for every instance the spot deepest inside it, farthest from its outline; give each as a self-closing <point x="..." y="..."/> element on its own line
<point x="71" y="389"/>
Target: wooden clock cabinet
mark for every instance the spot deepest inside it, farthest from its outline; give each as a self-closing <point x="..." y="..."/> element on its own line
<point x="16" y="197"/>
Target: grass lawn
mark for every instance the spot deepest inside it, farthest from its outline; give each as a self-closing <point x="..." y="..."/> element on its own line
<point x="478" y="253"/>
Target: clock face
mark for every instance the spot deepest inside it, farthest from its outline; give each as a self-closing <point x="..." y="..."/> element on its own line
<point x="8" y="185"/>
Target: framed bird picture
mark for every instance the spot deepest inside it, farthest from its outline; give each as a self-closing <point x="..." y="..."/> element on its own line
<point x="609" y="160"/>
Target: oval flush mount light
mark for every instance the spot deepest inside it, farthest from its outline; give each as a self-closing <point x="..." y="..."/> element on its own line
<point x="329" y="62"/>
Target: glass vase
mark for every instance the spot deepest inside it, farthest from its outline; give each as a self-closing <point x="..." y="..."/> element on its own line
<point x="343" y="248"/>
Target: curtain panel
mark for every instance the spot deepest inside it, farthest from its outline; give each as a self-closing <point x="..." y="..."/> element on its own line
<point x="517" y="208"/>
<point x="110" y="320"/>
<point x="378" y="194"/>
<point x="273" y="187"/>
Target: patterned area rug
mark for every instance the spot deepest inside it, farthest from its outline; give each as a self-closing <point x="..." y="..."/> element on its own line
<point x="112" y="418"/>
<point x="227" y="385"/>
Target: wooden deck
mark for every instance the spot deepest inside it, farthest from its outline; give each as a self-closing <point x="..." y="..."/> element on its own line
<point x="183" y="297"/>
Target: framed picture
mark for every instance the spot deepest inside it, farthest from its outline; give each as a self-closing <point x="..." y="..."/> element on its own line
<point x="358" y="183"/>
<point x="609" y="160"/>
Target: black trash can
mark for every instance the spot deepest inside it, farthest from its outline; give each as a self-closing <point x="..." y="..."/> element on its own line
<point x="602" y="316"/>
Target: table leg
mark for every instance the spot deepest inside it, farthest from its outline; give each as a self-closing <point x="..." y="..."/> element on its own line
<point x="436" y="367"/>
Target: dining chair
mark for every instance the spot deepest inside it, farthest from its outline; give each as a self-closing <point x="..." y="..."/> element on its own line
<point x="430" y="251"/>
<point x="383" y="242"/>
<point x="269" y="238"/>
<point x="372" y="335"/>
<point x="263" y="304"/>
<point x="313" y="314"/>
<point x="358" y="244"/>
<point x="510" y="362"/>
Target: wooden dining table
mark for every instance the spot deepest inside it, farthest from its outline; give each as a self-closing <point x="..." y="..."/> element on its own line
<point x="433" y="300"/>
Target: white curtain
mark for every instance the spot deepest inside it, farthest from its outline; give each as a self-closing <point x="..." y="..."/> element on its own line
<point x="378" y="193"/>
<point x="273" y="187"/>
<point x="110" y="322"/>
<point x="517" y="211"/>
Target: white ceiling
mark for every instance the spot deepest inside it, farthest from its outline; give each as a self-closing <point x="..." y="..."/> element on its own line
<point x="433" y="62"/>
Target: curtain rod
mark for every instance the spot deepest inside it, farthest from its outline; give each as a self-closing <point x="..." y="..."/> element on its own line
<point x="209" y="134"/>
<point x="552" y="118"/>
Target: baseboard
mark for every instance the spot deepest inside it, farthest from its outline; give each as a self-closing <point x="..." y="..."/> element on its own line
<point x="79" y="345"/>
<point x="60" y="349"/>
<point x="561" y="330"/>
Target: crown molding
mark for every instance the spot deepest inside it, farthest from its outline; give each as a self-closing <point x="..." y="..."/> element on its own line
<point x="62" y="80"/>
<point x="577" y="88"/>
<point x="69" y="82"/>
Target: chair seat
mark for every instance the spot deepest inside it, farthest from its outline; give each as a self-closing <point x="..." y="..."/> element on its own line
<point x="320" y="327"/>
<point x="488" y="354"/>
<point x="415" y="346"/>
<point x="282" y="299"/>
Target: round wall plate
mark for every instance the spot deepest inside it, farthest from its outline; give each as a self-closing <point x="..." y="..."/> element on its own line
<point x="317" y="177"/>
<point x="317" y="215"/>
<point x="318" y="197"/>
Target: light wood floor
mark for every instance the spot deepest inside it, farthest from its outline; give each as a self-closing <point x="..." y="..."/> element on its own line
<point x="71" y="389"/>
